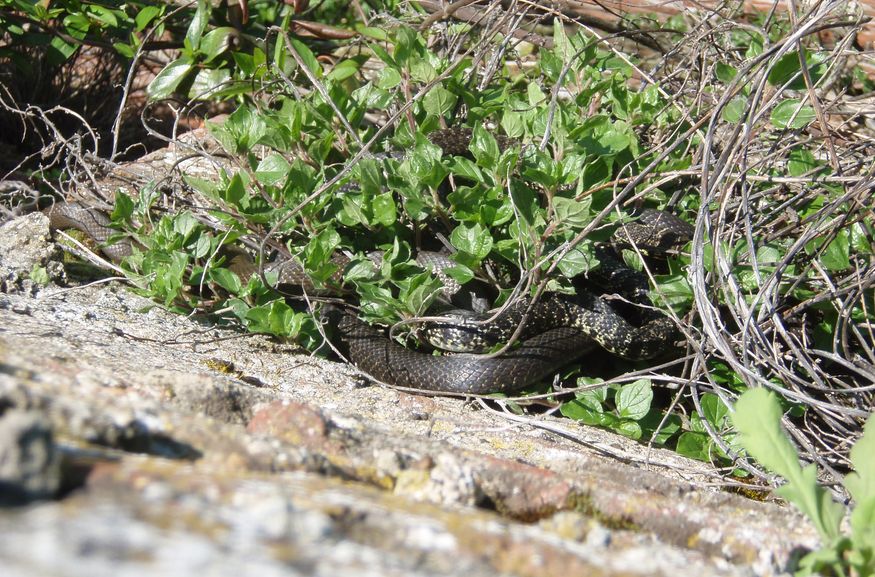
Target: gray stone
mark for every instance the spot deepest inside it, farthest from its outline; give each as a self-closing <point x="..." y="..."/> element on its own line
<point x="24" y="246"/>
<point x="29" y="465"/>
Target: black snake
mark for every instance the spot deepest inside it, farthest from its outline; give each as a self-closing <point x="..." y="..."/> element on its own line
<point x="558" y="328"/>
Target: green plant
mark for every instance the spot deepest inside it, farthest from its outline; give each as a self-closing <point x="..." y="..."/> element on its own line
<point x="627" y="409"/>
<point x="590" y="140"/>
<point x="62" y="27"/>
<point x="519" y="206"/>
<point x="758" y="420"/>
<point x="497" y="211"/>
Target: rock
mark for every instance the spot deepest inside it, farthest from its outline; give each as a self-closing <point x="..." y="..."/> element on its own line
<point x="29" y="465"/>
<point x="24" y="246"/>
<point x="200" y="449"/>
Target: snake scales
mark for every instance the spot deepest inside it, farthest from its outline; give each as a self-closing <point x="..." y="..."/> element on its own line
<point x="558" y="328"/>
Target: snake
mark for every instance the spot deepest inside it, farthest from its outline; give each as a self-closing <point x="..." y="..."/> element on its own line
<point x="558" y="328"/>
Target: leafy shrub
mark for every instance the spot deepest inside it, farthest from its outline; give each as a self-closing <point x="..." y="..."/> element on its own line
<point x="770" y="291"/>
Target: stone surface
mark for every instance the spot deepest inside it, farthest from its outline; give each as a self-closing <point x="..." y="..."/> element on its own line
<point x="189" y="447"/>
<point x="23" y="244"/>
<point x="29" y="467"/>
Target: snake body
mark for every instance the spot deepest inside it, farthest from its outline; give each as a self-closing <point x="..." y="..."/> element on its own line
<point x="369" y="349"/>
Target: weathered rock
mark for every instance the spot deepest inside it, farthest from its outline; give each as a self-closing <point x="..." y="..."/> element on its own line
<point x="29" y="466"/>
<point x="24" y="246"/>
<point x="201" y="449"/>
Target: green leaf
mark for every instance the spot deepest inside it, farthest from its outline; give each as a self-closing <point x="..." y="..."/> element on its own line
<point x="578" y="260"/>
<point x="673" y="291"/>
<point x="725" y="73"/>
<point x="216" y="41"/>
<point x="617" y="139"/>
<point x="472" y="239"/>
<point x="389" y="78"/>
<point x="125" y="50"/>
<point x="824" y="561"/>
<point x="407" y="44"/>
<point x="758" y="420"/>
<point x="666" y="427"/>
<point x="535" y="95"/>
<point x="202" y="246"/>
<point x="861" y="482"/>
<point x="859" y="238"/>
<point x="307" y="57"/>
<point x="837" y="255"/>
<point x="733" y="112"/>
<point x="863" y="528"/>
<point x="789" y="66"/>
<point x="630" y="429"/>
<point x="275" y="318"/>
<point x="421" y="70"/>
<point x="561" y="46"/>
<point x="184" y="224"/>
<point x="572" y="212"/>
<point x="273" y="169"/>
<point x="198" y="25"/>
<point x="166" y="82"/>
<point x="145" y="17"/>
<point x="343" y="70"/>
<point x="123" y="208"/>
<point x="242" y="130"/>
<point x="588" y="414"/>
<point x="784" y="69"/>
<point x="226" y="279"/>
<point x="203" y="186"/>
<point x="61" y="50"/>
<point x="512" y="123"/>
<point x="166" y="270"/>
<point x="791" y="113"/>
<point x="439" y="101"/>
<point x="694" y="445"/>
<point x="417" y="292"/>
<point x="377" y="302"/>
<point x="77" y="25"/>
<point x="581" y="411"/>
<point x="714" y="410"/>
<point x="801" y="161"/>
<point x="459" y="273"/>
<point x="484" y="147"/>
<point x="207" y="82"/>
<point x="235" y="193"/>
<point x="103" y="15"/>
<point x="370" y="176"/>
<point x="39" y="275"/>
<point x="384" y="210"/>
<point x="373" y="32"/>
<point x="633" y="400"/>
<point x="754" y="47"/>
<point x="815" y="502"/>
<point x="592" y="397"/>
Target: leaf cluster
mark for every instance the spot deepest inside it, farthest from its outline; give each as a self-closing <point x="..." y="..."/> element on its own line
<point x="627" y="409"/>
<point x="757" y="417"/>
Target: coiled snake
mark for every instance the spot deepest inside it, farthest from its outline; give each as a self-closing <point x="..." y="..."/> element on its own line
<point x="558" y="328"/>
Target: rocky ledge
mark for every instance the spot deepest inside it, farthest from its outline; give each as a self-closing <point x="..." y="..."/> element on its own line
<point x="134" y="441"/>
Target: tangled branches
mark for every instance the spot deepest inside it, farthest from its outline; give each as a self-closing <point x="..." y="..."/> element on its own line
<point x="782" y="267"/>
